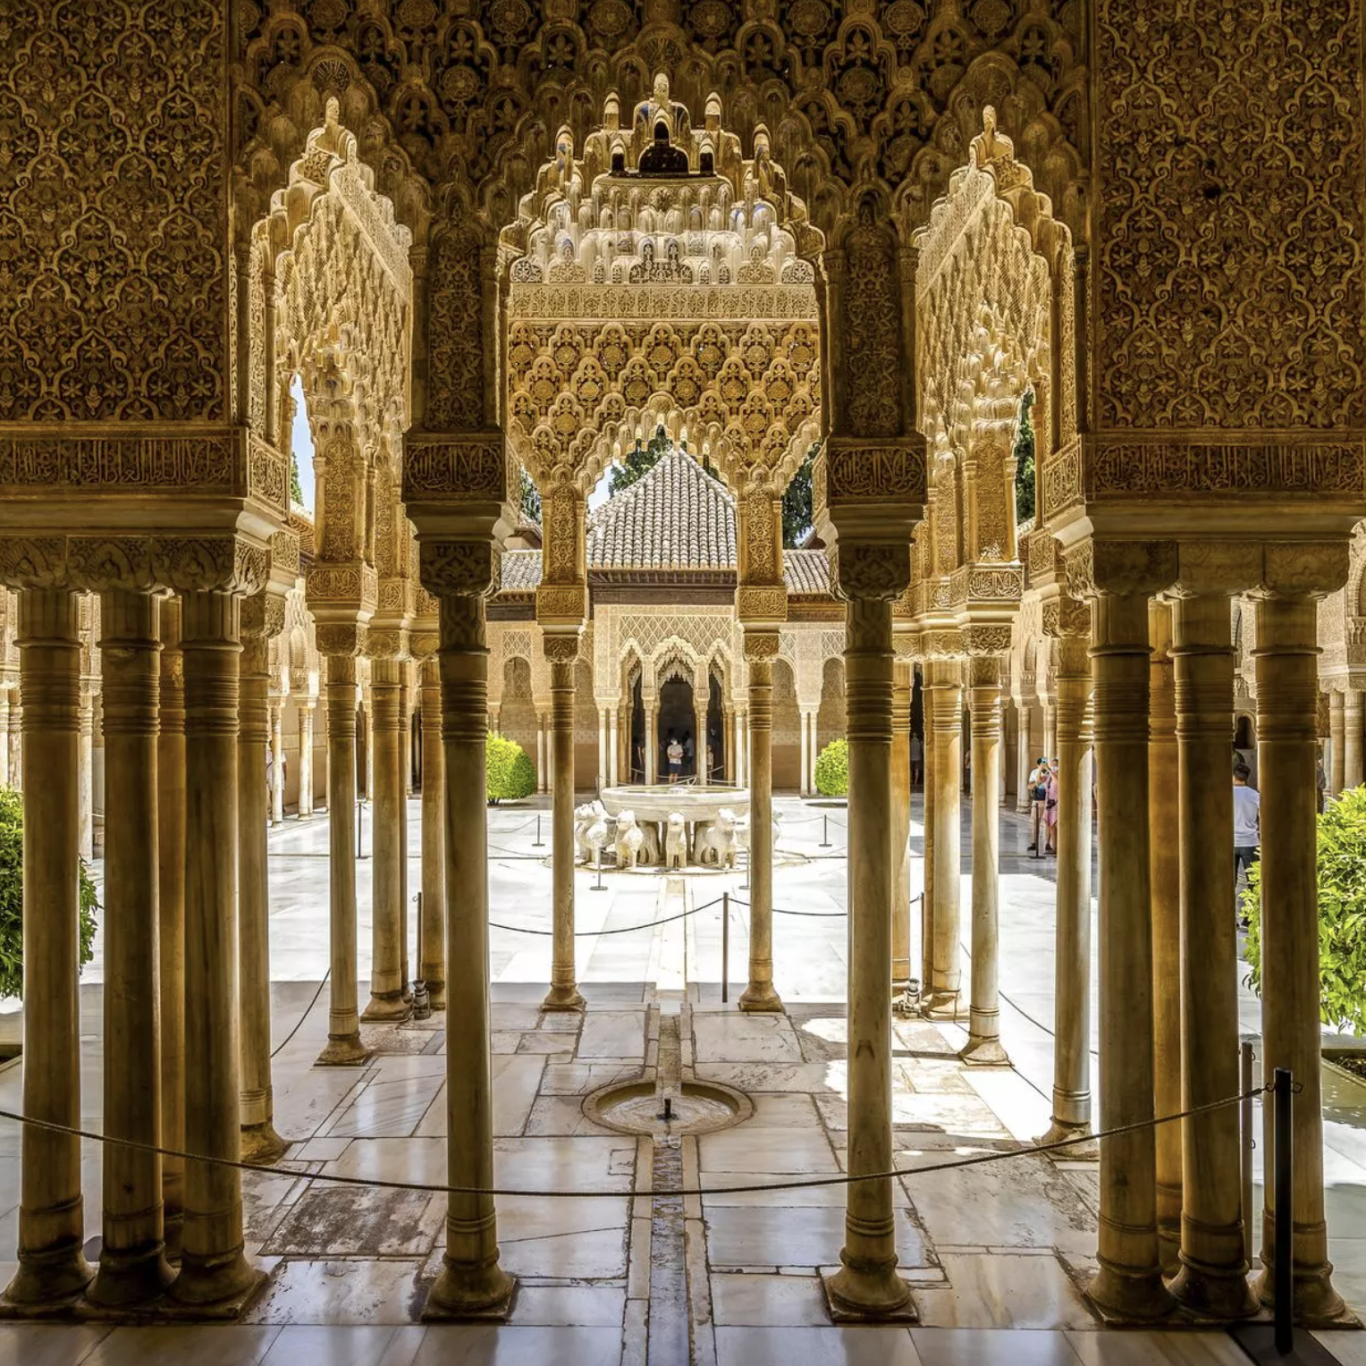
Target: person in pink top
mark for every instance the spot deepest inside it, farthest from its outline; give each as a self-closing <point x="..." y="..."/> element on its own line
<point x="1050" y="809"/>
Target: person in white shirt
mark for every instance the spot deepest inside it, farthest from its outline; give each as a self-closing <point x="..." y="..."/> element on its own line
<point x="1247" y="831"/>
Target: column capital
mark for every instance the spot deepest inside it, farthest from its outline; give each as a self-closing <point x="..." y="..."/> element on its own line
<point x="562" y="604"/>
<point x="985" y="640"/>
<point x="1066" y="617"/>
<point x="459" y="567"/>
<point x="227" y="563"/>
<point x="760" y="646"/>
<point x="1103" y="567"/>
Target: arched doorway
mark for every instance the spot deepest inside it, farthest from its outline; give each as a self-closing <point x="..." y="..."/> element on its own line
<point x="677" y="719"/>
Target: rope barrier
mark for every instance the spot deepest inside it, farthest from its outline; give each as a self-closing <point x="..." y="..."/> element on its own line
<point x="623" y="929"/>
<point x="279" y="1047"/>
<point x="802" y="1183"/>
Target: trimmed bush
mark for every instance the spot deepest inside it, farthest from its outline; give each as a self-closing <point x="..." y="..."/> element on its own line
<point x="12" y="897"/>
<point x="832" y="769"/>
<point x="1342" y="914"/>
<point x="510" y="773"/>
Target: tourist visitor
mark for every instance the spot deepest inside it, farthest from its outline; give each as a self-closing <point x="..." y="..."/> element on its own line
<point x="1038" y="795"/>
<point x="688" y="753"/>
<point x="1050" y="808"/>
<point x="917" y="760"/>
<point x="1247" y="833"/>
<point x="674" y="755"/>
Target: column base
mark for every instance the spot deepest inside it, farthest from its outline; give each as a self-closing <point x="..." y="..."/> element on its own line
<point x="1084" y="1147"/>
<point x="868" y="1295"/>
<point x="260" y="1143"/>
<point x="343" y="1050"/>
<point x="1317" y="1302"/>
<point x="387" y="1007"/>
<point x="983" y="1053"/>
<point x="173" y="1227"/>
<point x="1213" y="1293"/>
<point x="756" y="1000"/>
<point x="944" y="1005"/>
<point x="220" y="1287"/>
<point x="436" y="994"/>
<point x="130" y="1279"/>
<point x="462" y="1292"/>
<point x="563" y="998"/>
<point x="1123" y="1296"/>
<point x="50" y="1278"/>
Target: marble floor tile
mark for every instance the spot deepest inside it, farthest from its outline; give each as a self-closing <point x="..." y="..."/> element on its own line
<point x="420" y="1160"/>
<point x="991" y="1347"/>
<point x="612" y="1034"/>
<point x="458" y="1345"/>
<point x="815" y="1078"/>
<point x="31" y="1344"/>
<point x="1348" y="1347"/>
<point x="1162" y="1349"/>
<point x="596" y="1254"/>
<point x="545" y="1041"/>
<point x="356" y="1221"/>
<point x="234" y="1345"/>
<point x="745" y="1038"/>
<point x="784" y="1111"/>
<point x="561" y="1115"/>
<point x="740" y="1237"/>
<point x="313" y="1345"/>
<point x="881" y="1346"/>
<point x="340" y="1291"/>
<point x="386" y="1109"/>
<point x="516" y="1082"/>
<point x="564" y="1306"/>
<point x="751" y="1149"/>
<point x="588" y="1163"/>
<point x="768" y="1301"/>
<point x="1003" y="1290"/>
<point x="579" y="1079"/>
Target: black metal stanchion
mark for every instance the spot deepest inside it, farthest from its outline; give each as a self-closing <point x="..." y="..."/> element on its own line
<point x="746" y="870"/>
<point x="598" y="885"/>
<point x="825" y="832"/>
<point x="1249" y="1143"/>
<point x="422" y="1002"/>
<point x="536" y="844"/>
<point x="725" y="947"/>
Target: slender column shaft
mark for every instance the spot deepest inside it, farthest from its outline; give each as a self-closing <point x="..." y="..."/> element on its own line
<point x="542" y="773"/>
<point x="1164" y="864"/>
<point x="651" y="747"/>
<point x="927" y="785"/>
<point x="1024" y="757"/>
<point x="741" y="747"/>
<point x="984" y="1028"/>
<point x="305" y="804"/>
<point x="343" y="1025"/>
<point x="171" y="917"/>
<point x="1129" y="1283"/>
<point x="868" y="1282"/>
<point x="1050" y="729"/>
<point x="471" y="1281"/>
<point x="51" y="1213"/>
<point x="804" y="786"/>
<point x="603" y="743"/>
<point x="946" y="697"/>
<point x="212" y="1265"/>
<point x="433" y="947"/>
<point x="901" y="821"/>
<point x="133" y="1266"/>
<point x="1072" y="980"/>
<point x="1213" y="1275"/>
<point x="564" y="991"/>
<point x="700" y="744"/>
<point x="405" y="783"/>
<point x="16" y="739"/>
<point x="1287" y="688"/>
<point x="1352" y="775"/>
<point x="87" y="778"/>
<point x="260" y="1142"/>
<point x="614" y="747"/>
<point x="386" y="790"/>
<point x="761" y="994"/>
<point x="4" y="737"/>
<point x="1337" y="735"/>
<point x="277" y="769"/>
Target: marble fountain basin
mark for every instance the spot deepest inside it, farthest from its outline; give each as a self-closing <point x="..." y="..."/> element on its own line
<point x="658" y="803"/>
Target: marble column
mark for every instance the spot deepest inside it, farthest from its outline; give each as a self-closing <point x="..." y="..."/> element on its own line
<point x="1213" y="1276"/>
<point x="133" y="1267"/>
<point x="700" y="744"/>
<point x="604" y="742"/>
<point x="927" y="784"/>
<point x="277" y="769"/>
<point x="213" y="1266"/>
<point x="741" y="750"/>
<point x="1164" y="870"/>
<point x="4" y="735"/>
<point x="984" y="1045"/>
<point x="405" y="785"/>
<point x="761" y="648"/>
<point x="1071" y="1117"/>
<point x="433" y="934"/>
<point x="1050" y="729"/>
<point x="1024" y="757"/>
<point x="542" y="766"/>
<point x="260" y="1142"/>
<point x="1337" y="734"/>
<point x="1287" y="688"/>
<point x="471" y="1282"/>
<point x="901" y="824"/>
<point x="1352" y="775"/>
<point x="344" y="1047"/>
<point x="87" y="779"/>
<point x="171" y="917"/>
<point x="804" y="784"/>
<point x="946" y="699"/>
<point x="304" y="809"/>
<point x="386" y="792"/>
<point x="651" y="747"/>
<point x="52" y="1265"/>
<point x="562" y="651"/>
<point x="1129" y="1283"/>
<point x="867" y="1282"/>
<point x="613" y="747"/>
<point x="16" y="738"/>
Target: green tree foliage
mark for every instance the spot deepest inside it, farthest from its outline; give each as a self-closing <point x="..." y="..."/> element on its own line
<point x="1342" y="914"/>
<point x="12" y="897"/>
<point x="531" y="499"/>
<point x="640" y="461"/>
<point x="509" y="773"/>
<point x="832" y="769"/>
<point x="1024" y="462"/>
<point x="296" y="490"/>
<point x="797" y="509"/>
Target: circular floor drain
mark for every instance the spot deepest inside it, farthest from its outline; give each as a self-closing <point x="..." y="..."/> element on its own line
<point x="693" y="1107"/>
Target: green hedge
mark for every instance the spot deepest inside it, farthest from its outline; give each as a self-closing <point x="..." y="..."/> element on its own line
<point x="832" y="769"/>
<point x="510" y="773"/>
<point x="12" y="897"/>
<point x="1342" y="914"/>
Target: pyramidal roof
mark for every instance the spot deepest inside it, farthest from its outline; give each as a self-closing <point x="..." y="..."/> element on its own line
<point x="676" y="516"/>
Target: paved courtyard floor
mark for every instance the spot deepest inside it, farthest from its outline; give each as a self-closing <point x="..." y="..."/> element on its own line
<point x="996" y="1254"/>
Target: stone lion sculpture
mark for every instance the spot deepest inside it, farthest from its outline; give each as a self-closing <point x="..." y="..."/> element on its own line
<point x="629" y="839"/>
<point x="585" y="817"/>
<point x="675" y="841"/>
<point x="596" y="834"/>
<point x="716" y="844"/>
